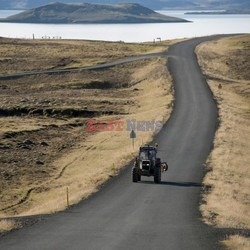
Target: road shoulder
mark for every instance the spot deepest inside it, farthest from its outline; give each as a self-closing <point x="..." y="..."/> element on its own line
<point x="225" y="63"/>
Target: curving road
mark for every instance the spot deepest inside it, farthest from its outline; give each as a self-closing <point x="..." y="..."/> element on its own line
<point x="99" y="66"/>
<point x="126" y="215"/>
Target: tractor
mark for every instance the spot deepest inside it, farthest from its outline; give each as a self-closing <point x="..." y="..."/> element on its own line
<point x="147" y="164"/>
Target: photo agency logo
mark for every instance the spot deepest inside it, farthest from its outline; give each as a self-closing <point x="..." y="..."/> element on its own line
<point x="129" y="125"/>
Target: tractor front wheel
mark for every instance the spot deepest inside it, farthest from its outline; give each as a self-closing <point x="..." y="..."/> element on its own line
<point x="135" y="176"/>
<point x="157" y="175"/>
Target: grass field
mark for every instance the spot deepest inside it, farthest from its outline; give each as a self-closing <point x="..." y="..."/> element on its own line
<point x="45" y="147"/>
<point x="19" y="55"/>
<point x="226" y="63"/>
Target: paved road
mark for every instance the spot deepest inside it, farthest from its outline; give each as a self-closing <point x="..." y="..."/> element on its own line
<point x="126" y="215"/>
<point x="100" y="66"/>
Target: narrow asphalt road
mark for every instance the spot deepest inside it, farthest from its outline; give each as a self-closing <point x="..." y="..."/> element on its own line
<point x="99" y="66"/>
<point x="126" y="215"/>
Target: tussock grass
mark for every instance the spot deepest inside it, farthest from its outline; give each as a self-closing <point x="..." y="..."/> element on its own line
<point x="7" y="225"/>
<point x="237" y="242"/>
<point x="230" y="178"/>
<point x="226" y="63"/>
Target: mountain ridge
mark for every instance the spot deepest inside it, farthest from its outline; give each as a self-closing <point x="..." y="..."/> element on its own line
<point x="91" y="13"/>
<point x="153" y="4"/>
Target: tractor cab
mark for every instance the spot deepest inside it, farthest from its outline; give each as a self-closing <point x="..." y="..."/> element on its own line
<point x="147" y="153"/>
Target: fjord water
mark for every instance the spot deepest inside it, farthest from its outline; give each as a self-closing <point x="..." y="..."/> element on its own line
<point x="200" y="25"/>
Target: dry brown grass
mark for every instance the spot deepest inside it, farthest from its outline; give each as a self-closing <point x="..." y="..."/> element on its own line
<point x="7" y="225"/>
<point x="226" y="63"/>
<point x="18" y="55"/>
<point x="70" y="156"/>
<point x="140" y="90"/>
<point x="228" y="203"/>
<point x="110" y="151"/>
<point x="237" y="242"/>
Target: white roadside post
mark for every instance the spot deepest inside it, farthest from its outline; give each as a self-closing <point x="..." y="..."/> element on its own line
<point x="133" y="136"/>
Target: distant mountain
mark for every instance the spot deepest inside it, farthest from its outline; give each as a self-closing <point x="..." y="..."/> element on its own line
<point x="27" y="4"/>
<point x="91" y="13"/>
<point x="153" y="4"/>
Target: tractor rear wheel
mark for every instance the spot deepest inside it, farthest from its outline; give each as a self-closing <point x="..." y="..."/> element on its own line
<point x="135" y="175"/>
<point x="157" y="175"/>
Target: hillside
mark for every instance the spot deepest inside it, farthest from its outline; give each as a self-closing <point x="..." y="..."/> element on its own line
<point x="91" y="13"/>
<point x="50" y="150"/>
<point x="153" y="4"/>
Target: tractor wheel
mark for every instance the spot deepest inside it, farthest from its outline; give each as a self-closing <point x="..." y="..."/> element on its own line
<point x="139" y="177"/>
<point x="157" y="175"/>
<point x="135" y="175"/>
